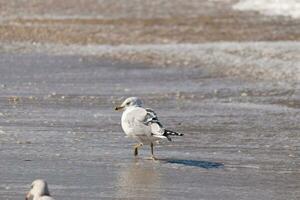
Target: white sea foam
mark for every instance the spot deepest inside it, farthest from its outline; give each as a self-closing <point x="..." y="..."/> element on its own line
<point x="289" y="8"/>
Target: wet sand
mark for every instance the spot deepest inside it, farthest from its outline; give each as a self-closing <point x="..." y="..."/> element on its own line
<point x="57" y="122"/>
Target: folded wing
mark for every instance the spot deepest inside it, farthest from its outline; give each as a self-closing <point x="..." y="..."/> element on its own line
<point x="145" y="122"/>
<point x="157" y="129"/>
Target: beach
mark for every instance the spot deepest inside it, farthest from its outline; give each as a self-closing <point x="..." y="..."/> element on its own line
<point x="232" y="88"/>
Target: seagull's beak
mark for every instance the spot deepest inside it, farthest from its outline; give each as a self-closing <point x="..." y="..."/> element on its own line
<point x="119" y="108"/>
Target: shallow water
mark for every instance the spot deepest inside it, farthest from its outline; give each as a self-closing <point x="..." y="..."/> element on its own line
<point x="57" y="122"/>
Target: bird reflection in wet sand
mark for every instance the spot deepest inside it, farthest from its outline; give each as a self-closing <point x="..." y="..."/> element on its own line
<point x="139" y="181"/>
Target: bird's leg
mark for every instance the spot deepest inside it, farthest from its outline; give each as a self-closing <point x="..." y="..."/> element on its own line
<point x="136" y="148"/>
<point x="152" y="154"/>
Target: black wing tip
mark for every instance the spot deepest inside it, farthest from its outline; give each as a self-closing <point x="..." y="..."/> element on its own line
<point x="168" y="132"/>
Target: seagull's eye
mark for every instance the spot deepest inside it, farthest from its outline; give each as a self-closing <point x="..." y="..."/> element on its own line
<point x="127" y="103"/>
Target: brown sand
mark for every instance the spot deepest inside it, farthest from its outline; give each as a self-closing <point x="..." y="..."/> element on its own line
<point x="138" y="22"/>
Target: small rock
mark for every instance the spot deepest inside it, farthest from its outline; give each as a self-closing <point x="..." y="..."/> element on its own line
<point x="186" y="63"/>
<point x="14" y="99"/>
<point x="23" y="142"/>
<point x="169" y="62"/>
<point x="244" y="94"/>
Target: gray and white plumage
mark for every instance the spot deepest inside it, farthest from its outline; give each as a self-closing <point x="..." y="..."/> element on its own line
<point x="39" y="191"/>
<point x="141" y="123"/>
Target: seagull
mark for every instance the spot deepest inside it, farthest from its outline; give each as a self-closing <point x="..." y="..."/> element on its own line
<point x="142" y="124"/>
<point x="39" y="191"/>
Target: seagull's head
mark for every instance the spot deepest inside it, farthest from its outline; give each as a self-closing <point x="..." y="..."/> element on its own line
<point x="38" y="188"/>
<point x="131" y="101"/>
